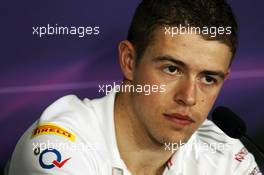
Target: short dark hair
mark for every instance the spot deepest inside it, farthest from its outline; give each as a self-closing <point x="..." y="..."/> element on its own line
<point x="151" y="14"/>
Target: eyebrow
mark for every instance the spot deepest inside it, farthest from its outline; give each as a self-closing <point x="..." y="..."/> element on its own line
<point x="220" y="74"/>
<point x="217" y="73"/>
<point x="171" y="59"/>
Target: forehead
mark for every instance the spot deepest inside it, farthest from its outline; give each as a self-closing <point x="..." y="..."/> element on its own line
<point x="192" y="49"/>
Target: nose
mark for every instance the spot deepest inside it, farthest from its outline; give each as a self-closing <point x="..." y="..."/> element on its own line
<point x="186" y="92"/>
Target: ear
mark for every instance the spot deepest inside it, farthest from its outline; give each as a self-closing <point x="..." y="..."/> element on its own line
<point x="127" y="59"/>
<point x="227" y="74"/>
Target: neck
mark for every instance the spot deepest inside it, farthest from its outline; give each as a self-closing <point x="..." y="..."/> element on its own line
<point x="140" y="152"/>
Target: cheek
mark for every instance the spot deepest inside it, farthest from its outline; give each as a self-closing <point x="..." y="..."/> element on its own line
<point x="208" y="99"/>
<point x="206" y="104"/>
<point x="209" y="96"/>
<point x="149" y="107"/>
<point x="149" y="102"/>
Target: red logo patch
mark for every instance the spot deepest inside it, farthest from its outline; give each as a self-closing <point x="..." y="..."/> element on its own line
<point x="241" y="154"/>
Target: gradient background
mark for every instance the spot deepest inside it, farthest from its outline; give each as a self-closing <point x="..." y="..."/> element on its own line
<point x="36" y="71"/>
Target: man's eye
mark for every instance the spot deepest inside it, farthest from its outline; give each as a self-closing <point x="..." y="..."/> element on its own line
<point x="208" y="80"/>
<point x="171" y="70"/>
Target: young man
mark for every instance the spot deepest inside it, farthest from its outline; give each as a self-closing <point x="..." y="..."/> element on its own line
<point x="182" y="50"/>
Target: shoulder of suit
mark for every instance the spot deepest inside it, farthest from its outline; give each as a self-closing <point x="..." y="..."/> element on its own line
<point x="211" y="135"/>
<point x="73" y="115"/>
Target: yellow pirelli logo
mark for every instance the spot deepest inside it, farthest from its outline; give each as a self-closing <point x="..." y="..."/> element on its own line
<point x="52" y="129"/>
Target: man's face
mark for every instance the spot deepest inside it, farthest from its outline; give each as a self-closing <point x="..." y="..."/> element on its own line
<point x="192" y="70"/>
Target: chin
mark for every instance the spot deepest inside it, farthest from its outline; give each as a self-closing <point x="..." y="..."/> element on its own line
<point x="172" y="139"/>
<point x="178" y="137"/>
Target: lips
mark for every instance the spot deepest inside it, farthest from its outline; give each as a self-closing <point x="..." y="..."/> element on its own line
<point x="179" y="119"/>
